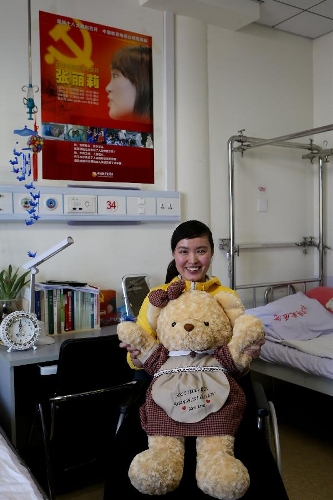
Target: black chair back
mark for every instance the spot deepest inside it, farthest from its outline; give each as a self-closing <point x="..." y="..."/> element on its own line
<point x="90" y="363"/>
<point x="79" y="421"/>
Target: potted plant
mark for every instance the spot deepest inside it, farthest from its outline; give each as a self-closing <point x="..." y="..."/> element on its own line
<point x="11" y="283"/>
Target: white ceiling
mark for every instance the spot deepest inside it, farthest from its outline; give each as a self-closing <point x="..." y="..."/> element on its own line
<point x="308" y="18"/>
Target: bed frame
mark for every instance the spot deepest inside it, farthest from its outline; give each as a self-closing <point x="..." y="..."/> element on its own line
<point x="293" y="376"/>
<point x="314" y="152"/>
<point x="278" y="371"/>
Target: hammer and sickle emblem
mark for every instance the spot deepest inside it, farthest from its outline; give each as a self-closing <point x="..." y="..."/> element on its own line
<point x="82" y="57"/>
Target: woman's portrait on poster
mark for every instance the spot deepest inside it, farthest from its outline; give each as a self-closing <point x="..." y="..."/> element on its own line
<point x="130" y="90"/>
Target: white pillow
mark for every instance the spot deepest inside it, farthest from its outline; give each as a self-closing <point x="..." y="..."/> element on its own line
<point x="329" y="305"/>
<point x="294" y="317"/>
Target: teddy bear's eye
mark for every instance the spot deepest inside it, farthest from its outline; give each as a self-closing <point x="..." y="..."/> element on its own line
<point x="173" y="324"/>
<point x="206" y="323"/>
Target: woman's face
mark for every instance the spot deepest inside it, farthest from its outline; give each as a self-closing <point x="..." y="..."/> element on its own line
<point x="192" y="258"/>
<point x="121" y="95"/>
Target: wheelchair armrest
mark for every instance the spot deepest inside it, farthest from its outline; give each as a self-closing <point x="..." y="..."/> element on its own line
<point x="267" y="419"/>
<point x="261" y="400"/>
<point x="134" y="397"/>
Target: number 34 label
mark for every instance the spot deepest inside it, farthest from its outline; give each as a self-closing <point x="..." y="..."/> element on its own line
<point x="110" y="205"/>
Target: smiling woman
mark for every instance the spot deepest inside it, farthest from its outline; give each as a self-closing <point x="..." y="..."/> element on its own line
<point x="192" y="248"/>
<point x="130" y="90"/>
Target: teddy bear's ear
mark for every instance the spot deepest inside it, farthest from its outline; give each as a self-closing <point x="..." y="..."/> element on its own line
<point x="231" y="304"/>
<point x="153" y="313"/>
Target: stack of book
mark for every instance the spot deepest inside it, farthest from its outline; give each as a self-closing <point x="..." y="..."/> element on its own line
<point x="64" y="308"/>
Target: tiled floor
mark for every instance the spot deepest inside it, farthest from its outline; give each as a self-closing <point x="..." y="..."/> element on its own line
<point x="306" y="439"/>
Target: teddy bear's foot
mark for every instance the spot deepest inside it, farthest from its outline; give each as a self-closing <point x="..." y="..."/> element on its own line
<point x="219" y="474"/>
<point x="159" y="469"/>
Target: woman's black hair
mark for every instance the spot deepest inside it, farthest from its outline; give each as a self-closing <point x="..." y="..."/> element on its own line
<point x="187" y="230"/>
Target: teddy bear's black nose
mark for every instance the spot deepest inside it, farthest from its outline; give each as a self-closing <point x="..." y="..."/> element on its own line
<point x="188" y="327"/>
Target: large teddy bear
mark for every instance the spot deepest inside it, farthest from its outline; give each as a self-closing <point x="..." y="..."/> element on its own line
<point x="194" y="361"/>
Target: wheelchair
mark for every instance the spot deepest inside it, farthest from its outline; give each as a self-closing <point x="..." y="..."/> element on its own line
<point x="256" y="445"/>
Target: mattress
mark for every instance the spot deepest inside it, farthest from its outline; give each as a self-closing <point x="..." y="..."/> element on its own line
<point x="274" y="352"/>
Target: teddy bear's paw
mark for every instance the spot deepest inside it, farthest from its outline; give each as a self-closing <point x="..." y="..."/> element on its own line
<point x="218" y="473"/>
<point x="132" y="333"/>
<point x="159" y="469"/>
<point x="248" y="330"/>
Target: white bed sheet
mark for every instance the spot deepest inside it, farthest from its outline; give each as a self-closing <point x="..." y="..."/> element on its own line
<point x="321" y="346"/>
<point x="275" y="352"/>
<point x="299" y="334"/>
<point x="16" y="483"/>
<point x="294" y="317"/>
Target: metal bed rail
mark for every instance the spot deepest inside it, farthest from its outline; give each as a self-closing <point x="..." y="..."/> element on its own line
<point x="267" y="289"/>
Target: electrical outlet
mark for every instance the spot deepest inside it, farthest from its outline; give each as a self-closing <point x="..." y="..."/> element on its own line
<point x="80" y="204"/>
<point x="168" y="206"/>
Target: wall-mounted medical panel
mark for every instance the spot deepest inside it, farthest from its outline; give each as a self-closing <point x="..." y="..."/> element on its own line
<point x="6" y="203"/>
<point x="87" y="204"/>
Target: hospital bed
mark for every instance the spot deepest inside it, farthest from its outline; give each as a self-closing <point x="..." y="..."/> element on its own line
<point x="299" y="327"/>
<point x="16" y="479"/>
<point x="299" y="336"/>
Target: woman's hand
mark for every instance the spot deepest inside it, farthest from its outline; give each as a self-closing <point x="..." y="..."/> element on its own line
<point x="254" y="349"/>
<point x="134" y="353"/>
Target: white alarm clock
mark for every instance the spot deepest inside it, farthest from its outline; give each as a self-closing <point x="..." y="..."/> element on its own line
<point x="19" y="330"/>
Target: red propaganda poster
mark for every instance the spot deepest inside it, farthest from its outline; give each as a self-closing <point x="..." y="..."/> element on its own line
<point x="97" y="102"/>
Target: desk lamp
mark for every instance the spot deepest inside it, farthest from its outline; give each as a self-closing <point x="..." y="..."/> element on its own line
<point x="32" y="265"/>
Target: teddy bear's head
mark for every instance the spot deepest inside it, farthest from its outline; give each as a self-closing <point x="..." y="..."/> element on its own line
<point x="192" y="320"/>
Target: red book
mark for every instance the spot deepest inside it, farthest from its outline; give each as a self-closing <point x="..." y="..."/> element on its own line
<point x="68" y="310"/>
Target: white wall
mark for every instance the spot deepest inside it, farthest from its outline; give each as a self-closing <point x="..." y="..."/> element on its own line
<point x="256" y="79"/>
<point x="260" y="80"/>
<point x="100" y="254"/>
